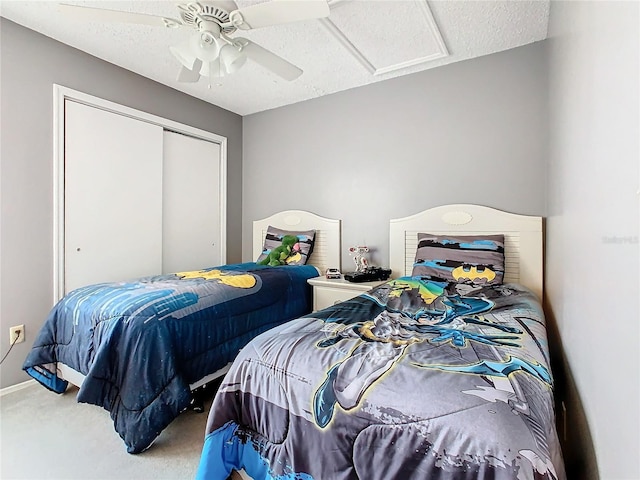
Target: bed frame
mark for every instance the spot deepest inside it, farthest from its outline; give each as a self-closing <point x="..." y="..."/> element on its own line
<point x="523" y="239"/>
<point x="523" y="244"/>
<point x="326" y="252"/>
<point x="326" y="247"/>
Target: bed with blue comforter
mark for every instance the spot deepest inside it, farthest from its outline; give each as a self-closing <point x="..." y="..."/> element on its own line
<point x="141" y="344"/>
<point x="413" y="379"/>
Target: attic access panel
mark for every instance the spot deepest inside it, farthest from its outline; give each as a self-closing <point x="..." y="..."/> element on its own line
<point x="384" y="46"/>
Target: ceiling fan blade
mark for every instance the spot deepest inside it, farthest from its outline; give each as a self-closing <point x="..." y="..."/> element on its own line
<point x="190" y="76"/>
<point x="91" y="14"/>
<point x="276" y="12"/>
<point x="269" y="60"/>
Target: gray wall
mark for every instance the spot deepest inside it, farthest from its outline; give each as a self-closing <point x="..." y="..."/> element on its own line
<point x="469" y="132"/>
<point x="592" y="228"/>
<point x="31" y="64"/>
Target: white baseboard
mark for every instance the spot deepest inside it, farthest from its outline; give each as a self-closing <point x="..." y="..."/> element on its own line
<point x="15" y="388"/>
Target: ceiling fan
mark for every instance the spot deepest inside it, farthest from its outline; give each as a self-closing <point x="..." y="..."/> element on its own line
<point x="212" y="51"/>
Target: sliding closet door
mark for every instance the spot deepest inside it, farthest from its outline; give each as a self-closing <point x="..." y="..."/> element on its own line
<point x="191" y="203"/>
<point x="113" y="197"/>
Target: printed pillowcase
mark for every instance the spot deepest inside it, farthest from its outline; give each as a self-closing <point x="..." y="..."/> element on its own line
<point x="471" y="259"/>
<point x="301" y="250"/>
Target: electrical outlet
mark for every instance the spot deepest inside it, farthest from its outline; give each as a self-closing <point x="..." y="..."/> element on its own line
<point x="16" y="334"/>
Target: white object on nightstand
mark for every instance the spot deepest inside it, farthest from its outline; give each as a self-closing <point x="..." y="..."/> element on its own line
<point x="327" y="292"/>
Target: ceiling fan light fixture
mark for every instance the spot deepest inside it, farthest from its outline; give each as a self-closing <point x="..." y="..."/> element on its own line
<point x="231" y="59"/>
<point x="204" y="47"/>
<point x="212" y="69"/>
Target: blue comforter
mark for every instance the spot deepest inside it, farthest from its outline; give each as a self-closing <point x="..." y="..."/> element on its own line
<point x="141" y="344"/>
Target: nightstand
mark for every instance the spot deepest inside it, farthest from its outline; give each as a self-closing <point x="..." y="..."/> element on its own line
<point x="327" y="292"/>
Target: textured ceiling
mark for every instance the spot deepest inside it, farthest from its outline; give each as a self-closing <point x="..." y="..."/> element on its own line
<point x="361" y="42"/>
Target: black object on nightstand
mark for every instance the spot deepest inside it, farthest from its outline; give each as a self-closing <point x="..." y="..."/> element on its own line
<point x="370" y="274"/>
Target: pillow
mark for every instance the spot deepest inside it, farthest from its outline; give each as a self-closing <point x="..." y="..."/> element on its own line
<point x="472" y="259"/>
<point x="301" y="251"/>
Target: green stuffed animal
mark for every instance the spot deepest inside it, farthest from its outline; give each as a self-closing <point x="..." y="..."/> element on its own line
<point x="279" y="255"/>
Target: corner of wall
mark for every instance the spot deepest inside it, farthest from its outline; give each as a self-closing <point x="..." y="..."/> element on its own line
<point x="571" y="421"/>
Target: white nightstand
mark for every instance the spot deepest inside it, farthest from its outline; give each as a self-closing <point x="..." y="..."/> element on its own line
<point x="327" y="292"/>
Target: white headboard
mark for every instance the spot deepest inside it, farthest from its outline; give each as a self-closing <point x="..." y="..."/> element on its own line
<point x="326" y="248"/>
<point x="523" y="239"/>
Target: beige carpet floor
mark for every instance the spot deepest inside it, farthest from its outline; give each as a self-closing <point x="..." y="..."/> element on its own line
<point x="48" y="436"/>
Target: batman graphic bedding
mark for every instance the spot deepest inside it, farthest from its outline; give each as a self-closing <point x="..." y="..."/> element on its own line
<point x="141" y="344"/>
<point x="413" y="379"/>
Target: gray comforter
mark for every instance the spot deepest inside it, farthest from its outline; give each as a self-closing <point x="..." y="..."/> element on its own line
<point x="410" y="380"/>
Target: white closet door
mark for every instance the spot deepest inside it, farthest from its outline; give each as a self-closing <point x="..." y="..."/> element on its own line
<point x="113" y="197"/>
<point x="191" y="204"/>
